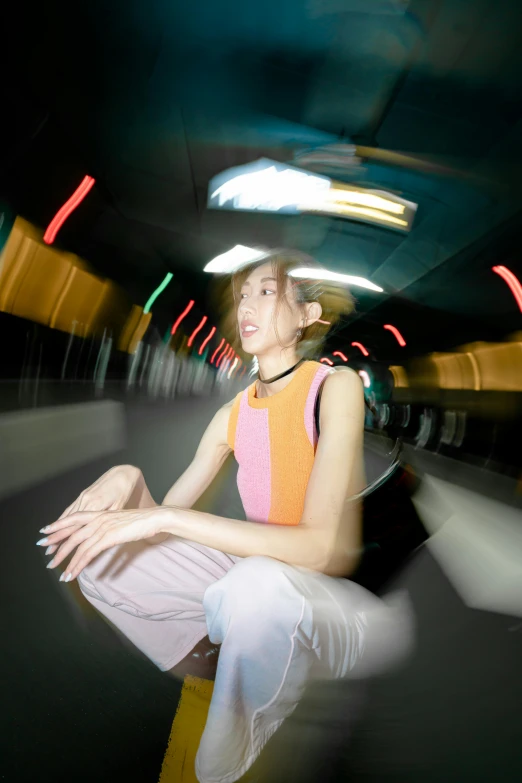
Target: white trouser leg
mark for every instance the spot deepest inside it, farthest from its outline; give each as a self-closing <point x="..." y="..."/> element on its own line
<point x="278" y="626"/>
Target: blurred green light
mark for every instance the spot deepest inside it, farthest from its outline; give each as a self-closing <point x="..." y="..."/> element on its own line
<point x="157" y="292"/>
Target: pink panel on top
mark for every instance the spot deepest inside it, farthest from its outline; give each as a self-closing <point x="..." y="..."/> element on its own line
<point x="252" y="451"/>
<point x="311" y="429"/>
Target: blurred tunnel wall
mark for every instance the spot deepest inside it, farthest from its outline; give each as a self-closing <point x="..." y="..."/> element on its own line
<point x="57" y="289"/>
<point x="477" y="367"/>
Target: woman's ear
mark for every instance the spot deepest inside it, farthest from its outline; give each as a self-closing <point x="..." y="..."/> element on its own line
<point x="314" y="312"/>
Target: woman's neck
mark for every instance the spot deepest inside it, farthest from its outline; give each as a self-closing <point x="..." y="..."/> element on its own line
<point x="270" y="366"/>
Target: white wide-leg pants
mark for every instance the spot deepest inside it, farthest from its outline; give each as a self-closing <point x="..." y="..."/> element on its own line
<point x="279" y="627"/>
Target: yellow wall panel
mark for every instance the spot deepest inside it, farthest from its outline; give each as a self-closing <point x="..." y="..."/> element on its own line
<point x="79" y="303"/>
<point x="45" y="276"/>
<point x="129" y="328"/>
<point x="58" y="289"/>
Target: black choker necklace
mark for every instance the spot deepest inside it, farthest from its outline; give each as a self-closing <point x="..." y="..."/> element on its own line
<point x="286" y="372"/>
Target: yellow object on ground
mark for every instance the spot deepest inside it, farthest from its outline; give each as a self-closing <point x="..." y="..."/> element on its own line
<point x="187" y="728"/>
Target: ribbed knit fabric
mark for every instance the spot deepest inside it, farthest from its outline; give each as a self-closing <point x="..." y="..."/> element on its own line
<point x="274" y="442"/>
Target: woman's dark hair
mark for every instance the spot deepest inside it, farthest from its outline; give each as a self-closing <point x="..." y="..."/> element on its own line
<point x="335" y="300"/>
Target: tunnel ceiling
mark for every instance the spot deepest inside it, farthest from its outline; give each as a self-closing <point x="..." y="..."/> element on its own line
<point x="153" y="99"/>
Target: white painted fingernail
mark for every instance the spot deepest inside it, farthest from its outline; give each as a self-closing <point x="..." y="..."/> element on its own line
<point x="44" y="529"/>
<point x="49" y="550"/>
<point x="68" y="578"/>
<point x="50" y="564"/>
<point x="42" y="542"/>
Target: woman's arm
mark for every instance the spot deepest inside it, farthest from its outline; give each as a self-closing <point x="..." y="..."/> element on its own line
<point x="208" y="460"/>
<point x="328" y="537"/>
<point x="124" y="486"/>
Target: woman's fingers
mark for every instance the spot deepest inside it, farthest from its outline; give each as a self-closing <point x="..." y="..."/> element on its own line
<point x="99" y="542"/>
<point x="78" y="518"/>
<point x="78" y="537"/>
<point x="60" y="535"/>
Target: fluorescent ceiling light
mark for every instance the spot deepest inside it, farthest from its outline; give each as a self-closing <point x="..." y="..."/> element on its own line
<point x="238" y="256"/>
<point x="233" y="259"/>
<point x="324" y="274"/>
<point x="271" y="189"/>
<point x="269" y="186"/>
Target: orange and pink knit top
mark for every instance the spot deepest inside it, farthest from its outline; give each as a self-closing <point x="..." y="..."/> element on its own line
<point x="274" y="440"/>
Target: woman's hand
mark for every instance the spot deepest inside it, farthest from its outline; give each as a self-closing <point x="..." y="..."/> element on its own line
<point x="120" y="487"/>
<point x="95" y="532"/>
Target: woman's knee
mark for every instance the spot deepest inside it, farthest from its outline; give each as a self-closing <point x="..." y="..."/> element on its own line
<point x="256" y="591"/>
<point x="253" y="578"/>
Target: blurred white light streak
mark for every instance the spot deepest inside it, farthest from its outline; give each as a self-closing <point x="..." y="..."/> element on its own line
<point x="323" y="274"/>
<point x="233" y="259"/>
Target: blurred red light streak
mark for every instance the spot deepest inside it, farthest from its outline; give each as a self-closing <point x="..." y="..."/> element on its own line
<point x="512" y="281"/>
<point x="187" y="309"/>
<point x="69" y="206"/>
<point x="398" y="336"/>
<point x="222" y="355"/>
<point x="217" y="350"/>
<point x="327" y="361"/>
<point x="339" y="353"/>
<point x="206" y="340"/>
<point x="198" y="328"/>
<point x="361" y="347"/>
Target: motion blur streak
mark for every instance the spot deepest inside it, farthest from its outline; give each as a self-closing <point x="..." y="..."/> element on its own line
<point x="69" y="206"/>
<point x="157" y="292"/>
<point x="339" y="353"/>
<point x="476" y="367"/>
<point x="198" y="328"/>
<point x="512" y="281"/>
<point x="207" y="340"/>
<point x="361" y="347"/>
<point x="217" y="350"/>
<point x="398" y="336"/>
<point x="185" y="312"/>
<point x="53" y="288"/>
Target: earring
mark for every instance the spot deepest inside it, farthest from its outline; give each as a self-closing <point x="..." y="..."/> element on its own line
<point x="299" y="334"/>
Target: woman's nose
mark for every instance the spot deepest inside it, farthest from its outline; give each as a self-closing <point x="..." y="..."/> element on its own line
<point x="246" y="307"/>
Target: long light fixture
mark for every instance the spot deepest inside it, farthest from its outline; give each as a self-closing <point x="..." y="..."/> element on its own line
<point x="341" y="355"/>
<point x="309" y="273"/>
<point x="269" y="186"/>
<point x="233" y="259"/>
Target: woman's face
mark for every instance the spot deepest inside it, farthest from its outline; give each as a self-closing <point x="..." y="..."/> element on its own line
<point x="257" y="314"/>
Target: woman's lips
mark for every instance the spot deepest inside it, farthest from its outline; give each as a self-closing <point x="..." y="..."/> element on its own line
<point x="248" y="333"/>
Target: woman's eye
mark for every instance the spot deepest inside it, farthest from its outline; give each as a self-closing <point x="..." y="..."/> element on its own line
<point x="264" y="291"/>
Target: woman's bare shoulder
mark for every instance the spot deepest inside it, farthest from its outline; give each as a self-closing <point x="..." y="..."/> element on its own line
<point x="343" y="377"/>
<point x="342" y="388"/>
